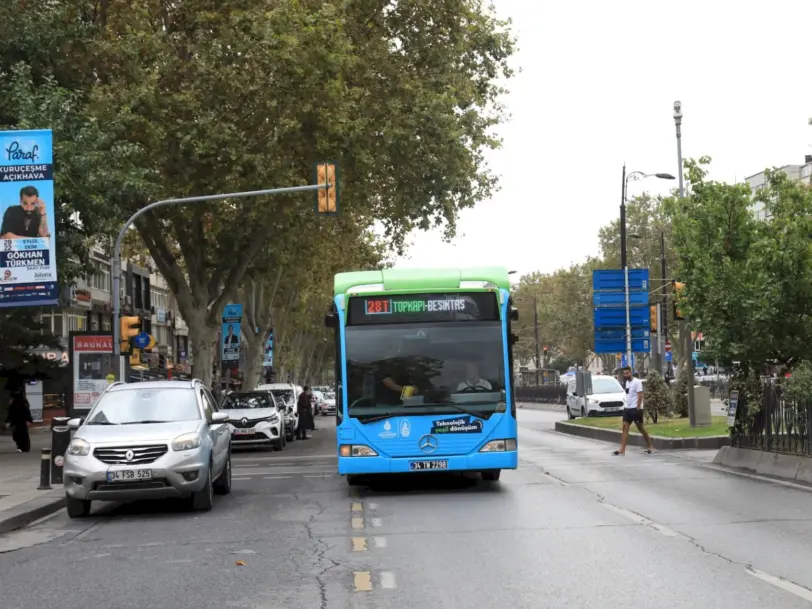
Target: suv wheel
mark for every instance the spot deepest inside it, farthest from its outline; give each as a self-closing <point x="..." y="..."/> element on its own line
<point x="223" y="484"/>
<point x="203" y="500"/>
<point x="77" y="508"/>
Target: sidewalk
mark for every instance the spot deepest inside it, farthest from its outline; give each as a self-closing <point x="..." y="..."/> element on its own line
<point x="20" y="501"/>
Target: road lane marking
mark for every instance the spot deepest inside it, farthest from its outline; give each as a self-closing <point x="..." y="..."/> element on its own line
<point x="276" y="477"/>
<point x="380" y="542"/>
<point x="388" y="580"/>
<point x="359" y="544"/>
<point x="363" y="581"/>
<point x="290" y="458"/>
<point x="372" y="506"/>
<point x="357" y="507"/>
<point x="241" y="479"/>
<point x="784" y="584"/>
<point x="317" y="475"/>
<point x="357" y="523"/>
<point x="641" y="520"/>
<point x="377" y="522"/>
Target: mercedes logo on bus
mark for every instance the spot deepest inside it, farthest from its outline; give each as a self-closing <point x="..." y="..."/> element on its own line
<point x="427" y="443"/>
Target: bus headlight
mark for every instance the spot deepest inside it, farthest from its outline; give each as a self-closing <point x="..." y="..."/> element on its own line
<point x="356" y="450"/>
<point x="496" y="446"/>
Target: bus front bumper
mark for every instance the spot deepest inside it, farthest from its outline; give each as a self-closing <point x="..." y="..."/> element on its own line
<point x="455" y="463"/>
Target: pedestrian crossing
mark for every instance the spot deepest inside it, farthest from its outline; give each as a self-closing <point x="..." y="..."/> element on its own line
<point x="248" y="467"/>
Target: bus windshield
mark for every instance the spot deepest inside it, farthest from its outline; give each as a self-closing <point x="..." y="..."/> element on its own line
<point x="429" y="368"/>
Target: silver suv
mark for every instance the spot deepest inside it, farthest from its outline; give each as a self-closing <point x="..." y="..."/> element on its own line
<point x="155" y="440"/>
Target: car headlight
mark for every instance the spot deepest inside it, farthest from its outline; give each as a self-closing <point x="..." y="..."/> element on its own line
<point x="78" y="448"/>
<point x="274" y="418"/>
<point x="495" y="446"/>
<point x="187" y="441"/>
<point x="594" y="401"/>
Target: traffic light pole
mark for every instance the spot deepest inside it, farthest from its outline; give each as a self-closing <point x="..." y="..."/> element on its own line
<point x="116" y="264"/>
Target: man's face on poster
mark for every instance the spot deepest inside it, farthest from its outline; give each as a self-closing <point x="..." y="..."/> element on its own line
<point x="231" y="330"/>
<point x="29" y="204"/>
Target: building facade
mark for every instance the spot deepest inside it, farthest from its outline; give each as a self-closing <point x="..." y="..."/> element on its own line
<point x="757" y="182"/>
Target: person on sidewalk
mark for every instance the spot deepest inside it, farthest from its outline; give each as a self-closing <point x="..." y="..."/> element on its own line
<point x="305" y="415"/>
<point x="19" y="416"/>
<point x="633" y="412"/>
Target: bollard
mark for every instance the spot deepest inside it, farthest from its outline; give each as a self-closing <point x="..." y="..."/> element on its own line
<point x="60" y="439"/>
<point x="45" y="470"/>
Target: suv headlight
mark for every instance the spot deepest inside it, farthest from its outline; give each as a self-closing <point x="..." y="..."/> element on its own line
<point x="79" y="448"/>
<point x="187" y="441"/>
<point x="594" y="402"/>
<point x="272" y="419"/>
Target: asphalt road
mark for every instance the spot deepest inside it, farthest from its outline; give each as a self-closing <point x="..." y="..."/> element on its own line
<point x="573" y="527"/>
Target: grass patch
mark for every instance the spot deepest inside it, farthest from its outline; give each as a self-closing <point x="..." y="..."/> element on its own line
<point x="667" y="428"/>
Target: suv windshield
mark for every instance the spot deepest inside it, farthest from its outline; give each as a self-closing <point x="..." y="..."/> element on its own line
<point x="237" y="401"/>
<point x="145" y="405"/>
<point x="447" y="367"/>
<point x="283" y="395"/>
<point x="606" y="386"/>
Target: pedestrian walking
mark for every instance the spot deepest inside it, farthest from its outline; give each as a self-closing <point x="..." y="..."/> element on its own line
<point x="19" y="416"/>
<point x="305" y="414"/>
<point x="633" y="412"/>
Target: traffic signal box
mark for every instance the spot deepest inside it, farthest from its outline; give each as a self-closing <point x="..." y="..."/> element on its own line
<point x="653" y="313"/>
<point x="130" y="327"/>
<point x="678" y="287"/>
<point x="327" y="199"/>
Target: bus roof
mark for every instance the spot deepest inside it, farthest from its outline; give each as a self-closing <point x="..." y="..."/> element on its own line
<point x="421" y="279"/>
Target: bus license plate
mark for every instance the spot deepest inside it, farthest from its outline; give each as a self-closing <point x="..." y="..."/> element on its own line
<point x="414" y="465"/>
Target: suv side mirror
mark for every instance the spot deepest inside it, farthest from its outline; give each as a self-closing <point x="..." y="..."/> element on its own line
<point x="219" y="417"/>
<point x="74" y="424"/>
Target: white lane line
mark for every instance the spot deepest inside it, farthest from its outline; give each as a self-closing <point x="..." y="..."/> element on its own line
<point x="318" y="475"/>
<point x="388" y="581"/>
<point x="372" y="506"/>
<point x="241" y="479"/>
<point x="380" y="542"/>
<point x="376" y="522"/>
<point x="276" y="477"/>
<point x="331" y="456"/>
<point x="247" y="465"/>
<point x="641" y="520"/>
<point x="784" y="584"/>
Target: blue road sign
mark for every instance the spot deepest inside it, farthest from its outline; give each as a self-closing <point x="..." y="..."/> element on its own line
<point x="619" y="346"/>
<point x="614" y="281"/>
<point x="606" y="319"/>
<point x="618" y="299"/>
<point x="140" y="341"/>
<point x="623" y="360"/>
<point x="668" y="356"/>
<point x="621" y="334"/>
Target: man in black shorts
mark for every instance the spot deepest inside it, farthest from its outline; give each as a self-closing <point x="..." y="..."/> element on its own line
<point x="633" y="412"/>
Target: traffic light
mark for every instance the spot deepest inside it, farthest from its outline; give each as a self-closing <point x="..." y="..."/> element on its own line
<point x="135" y="357"/>
<point x="677" y="289"/>
<point x="130" y="326"/>
<point x="653" y="316"/>
<point x="327" y="198"/>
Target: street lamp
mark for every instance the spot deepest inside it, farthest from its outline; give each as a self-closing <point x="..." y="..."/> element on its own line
<point x="636" y="175"/>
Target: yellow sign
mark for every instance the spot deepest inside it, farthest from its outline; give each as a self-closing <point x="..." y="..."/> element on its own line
<point x="110" y="378"/>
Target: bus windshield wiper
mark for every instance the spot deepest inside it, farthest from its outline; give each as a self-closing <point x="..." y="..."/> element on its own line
<point x="478" y="415"/>
<point x="378" y="417"/>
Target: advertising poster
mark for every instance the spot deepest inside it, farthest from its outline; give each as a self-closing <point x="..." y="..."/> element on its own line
<point x="94" y="367"/>
<point x="230" y="333"/>
<point x="27" y="222"/>
<point x="267" y="360"/>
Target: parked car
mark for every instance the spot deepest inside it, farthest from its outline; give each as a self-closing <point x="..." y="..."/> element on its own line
<point x="328" y="406"/>
<point x="287" y="394"/>
<point x="255" y="419"/>
<point x="151" y="440"/>
<point x="317" y="401"/>
<point x="607" y="398"/>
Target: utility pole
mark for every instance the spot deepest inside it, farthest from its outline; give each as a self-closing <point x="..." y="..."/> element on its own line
<point x="663" y="316"/>
<point x="684" y="329"/>
<point x="625" y="267"/>
<point x="536" y="334"/>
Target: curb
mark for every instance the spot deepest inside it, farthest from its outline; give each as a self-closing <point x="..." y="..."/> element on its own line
<point x="660" y="442"/>
<point x="23" y="515"/>
<point x="794" y="468"/>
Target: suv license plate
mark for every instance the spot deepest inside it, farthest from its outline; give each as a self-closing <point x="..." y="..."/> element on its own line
<point x="129" y="475"/>
<point x="419" y="465"/>
<point x="244" y="432"/>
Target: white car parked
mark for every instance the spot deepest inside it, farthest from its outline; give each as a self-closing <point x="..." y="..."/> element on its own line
<point x="287" y="394"/>
<point x="255" y="419"/>
<point x="607" y="398"/>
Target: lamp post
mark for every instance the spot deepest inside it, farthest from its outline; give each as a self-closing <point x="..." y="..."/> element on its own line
<point x="636" y="175"/>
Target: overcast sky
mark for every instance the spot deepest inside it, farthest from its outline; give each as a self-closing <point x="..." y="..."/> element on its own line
<point x="596" y="88"/>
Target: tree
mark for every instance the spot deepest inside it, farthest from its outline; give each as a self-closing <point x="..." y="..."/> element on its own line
<point x="658" y="399"/>
<point x="402" y="96"/>
<point x="748" y="283"/>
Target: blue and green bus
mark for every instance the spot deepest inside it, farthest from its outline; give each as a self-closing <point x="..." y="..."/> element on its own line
<point x="424" y="371"/>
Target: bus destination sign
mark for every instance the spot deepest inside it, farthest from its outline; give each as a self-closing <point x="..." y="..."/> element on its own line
<point x="405" y="308"/>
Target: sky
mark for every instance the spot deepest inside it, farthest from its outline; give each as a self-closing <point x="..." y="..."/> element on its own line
<point x="595" y="90"/>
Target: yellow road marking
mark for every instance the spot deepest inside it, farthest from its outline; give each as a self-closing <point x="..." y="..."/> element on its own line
<point x="363" y="581"/>
<point x="359" y="544"/>
<point x="357" y="507"/>
<point x="357" y="523"/>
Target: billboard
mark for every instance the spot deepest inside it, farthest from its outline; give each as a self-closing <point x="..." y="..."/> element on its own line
<point x="230" y="333"/>
<point x="267" y="359"/>
<point x="94" y="367"/>
<point x="28" y="225"/>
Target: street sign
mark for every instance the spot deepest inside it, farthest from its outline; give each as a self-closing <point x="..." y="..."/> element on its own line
<point x="668" y="346"/>
<point x="623" y="363"/>
<point x="668" y="356"/>
<point x="614" y="280"/>
<point x="621" y="334"/>
<point x="606" y="319"/>
<point x="141" y="341"/>
<point x="619" y="346"/>
<point x="618" y="299"/>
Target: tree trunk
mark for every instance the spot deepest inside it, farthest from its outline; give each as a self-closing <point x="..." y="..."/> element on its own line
<point x="253" y="360"/>
<point x="204" y="348"/>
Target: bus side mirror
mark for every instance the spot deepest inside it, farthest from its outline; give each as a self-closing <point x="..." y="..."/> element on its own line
<point x="513" y="338"/>
<point x="330" y="320"/>
<point x="514" y="314"/>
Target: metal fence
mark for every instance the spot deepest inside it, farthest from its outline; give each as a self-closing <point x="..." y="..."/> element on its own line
<point x="775" y="424"/>
<point x="546" y="394"/>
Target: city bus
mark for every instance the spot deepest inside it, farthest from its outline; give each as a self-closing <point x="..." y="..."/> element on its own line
<point x="424" y="372"/>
